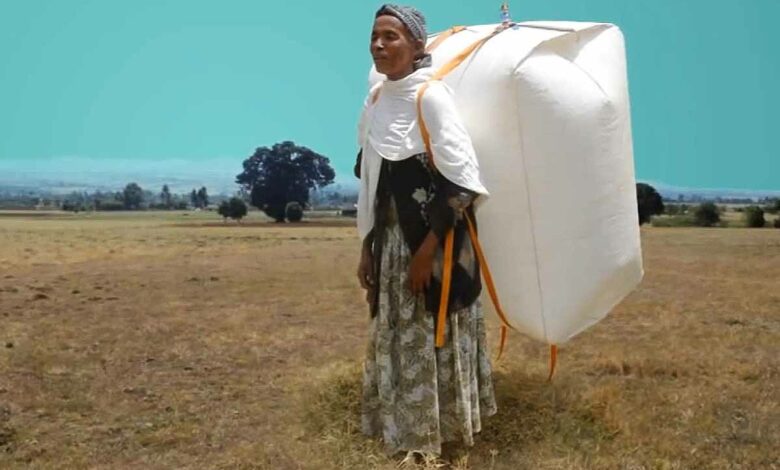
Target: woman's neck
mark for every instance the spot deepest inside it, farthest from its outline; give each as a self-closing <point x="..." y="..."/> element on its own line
<point x="395" y="78"/>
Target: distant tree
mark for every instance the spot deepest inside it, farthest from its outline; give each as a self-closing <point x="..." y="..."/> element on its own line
<point x="132" y="196"/>
<point x="98" y="197"/>
<point x="706" y="215"/>
<point x="238" y="209"/>
<point x="754" y="217"/>
<point x="283" y="173"/>
<point x="234" y="208"/>
<point x="76" y="201"/>
<point x="165" y="197"/>
<point x="772" y="206"/>
<point x="203" y="197"/>
<point x="672" y="209"/>
<point x="293" y="211"/>
<point x="110" y="205"/>
<point x="70" y="206"/>
<point x="648" y="201"/>
<point x="199" y="198"/>
<point x="149" y="197"/>
<point x="242" y="194"/>
<point x="224" y="210"/>
<point x="777" y="222"/>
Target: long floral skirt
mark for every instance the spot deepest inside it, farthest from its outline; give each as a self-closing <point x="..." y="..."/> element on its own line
<point x="415" y="397"/>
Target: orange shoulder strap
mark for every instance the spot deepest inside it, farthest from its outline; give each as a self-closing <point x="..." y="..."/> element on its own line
<point x="443" y="36"/>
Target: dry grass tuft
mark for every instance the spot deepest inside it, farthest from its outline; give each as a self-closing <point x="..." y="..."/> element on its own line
<point x="332" y="417"/>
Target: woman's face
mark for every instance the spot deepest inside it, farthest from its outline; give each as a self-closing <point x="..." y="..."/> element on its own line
<point x="393" y="48"/>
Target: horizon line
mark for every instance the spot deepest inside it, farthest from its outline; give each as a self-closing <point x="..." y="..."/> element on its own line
<point x="146" y="166"/>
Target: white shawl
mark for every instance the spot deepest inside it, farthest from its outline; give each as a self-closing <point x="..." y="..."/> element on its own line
<point x="389" y="129"/>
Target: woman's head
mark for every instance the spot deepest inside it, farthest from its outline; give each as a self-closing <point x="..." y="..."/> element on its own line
<point x="398" y="41"/>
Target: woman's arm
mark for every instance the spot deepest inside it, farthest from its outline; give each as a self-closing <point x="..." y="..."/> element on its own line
<point x="368" y="241"/>
<point x="444" y="211"/>
<point x="448" y="205"/>
<point x="358" y="162"/>
<point x="365" y="271"/>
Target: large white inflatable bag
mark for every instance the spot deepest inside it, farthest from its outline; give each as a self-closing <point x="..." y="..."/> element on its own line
<point x="546" y="104"/>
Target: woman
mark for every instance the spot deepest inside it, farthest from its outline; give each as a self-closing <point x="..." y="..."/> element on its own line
<point x="415" y="396"/>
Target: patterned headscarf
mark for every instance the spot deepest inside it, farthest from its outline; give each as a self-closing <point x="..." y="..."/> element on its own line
<point x="414" y="22"/>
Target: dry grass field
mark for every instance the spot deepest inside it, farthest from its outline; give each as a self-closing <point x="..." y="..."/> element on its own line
<point x="157" y="341"/>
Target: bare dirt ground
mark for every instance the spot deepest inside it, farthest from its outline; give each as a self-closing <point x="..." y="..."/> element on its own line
<point x="162" y="341"/>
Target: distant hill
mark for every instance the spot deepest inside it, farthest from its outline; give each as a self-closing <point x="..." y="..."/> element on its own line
<point x="68" y="174"/>
<point x="671" y="192"/>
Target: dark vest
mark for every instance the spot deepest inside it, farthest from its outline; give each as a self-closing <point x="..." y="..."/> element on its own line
<point x="424" y="201"/>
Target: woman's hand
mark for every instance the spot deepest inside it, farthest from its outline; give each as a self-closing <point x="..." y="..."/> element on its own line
<point x="421" y="266"/>
<point x="365" y="272"/>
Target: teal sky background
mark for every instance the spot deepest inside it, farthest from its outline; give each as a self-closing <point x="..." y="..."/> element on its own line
<point x="207" y="81"/>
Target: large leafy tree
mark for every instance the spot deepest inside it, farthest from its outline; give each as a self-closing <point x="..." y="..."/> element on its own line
<point x="283" y="173"/>
<point x="648" y="201"/>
